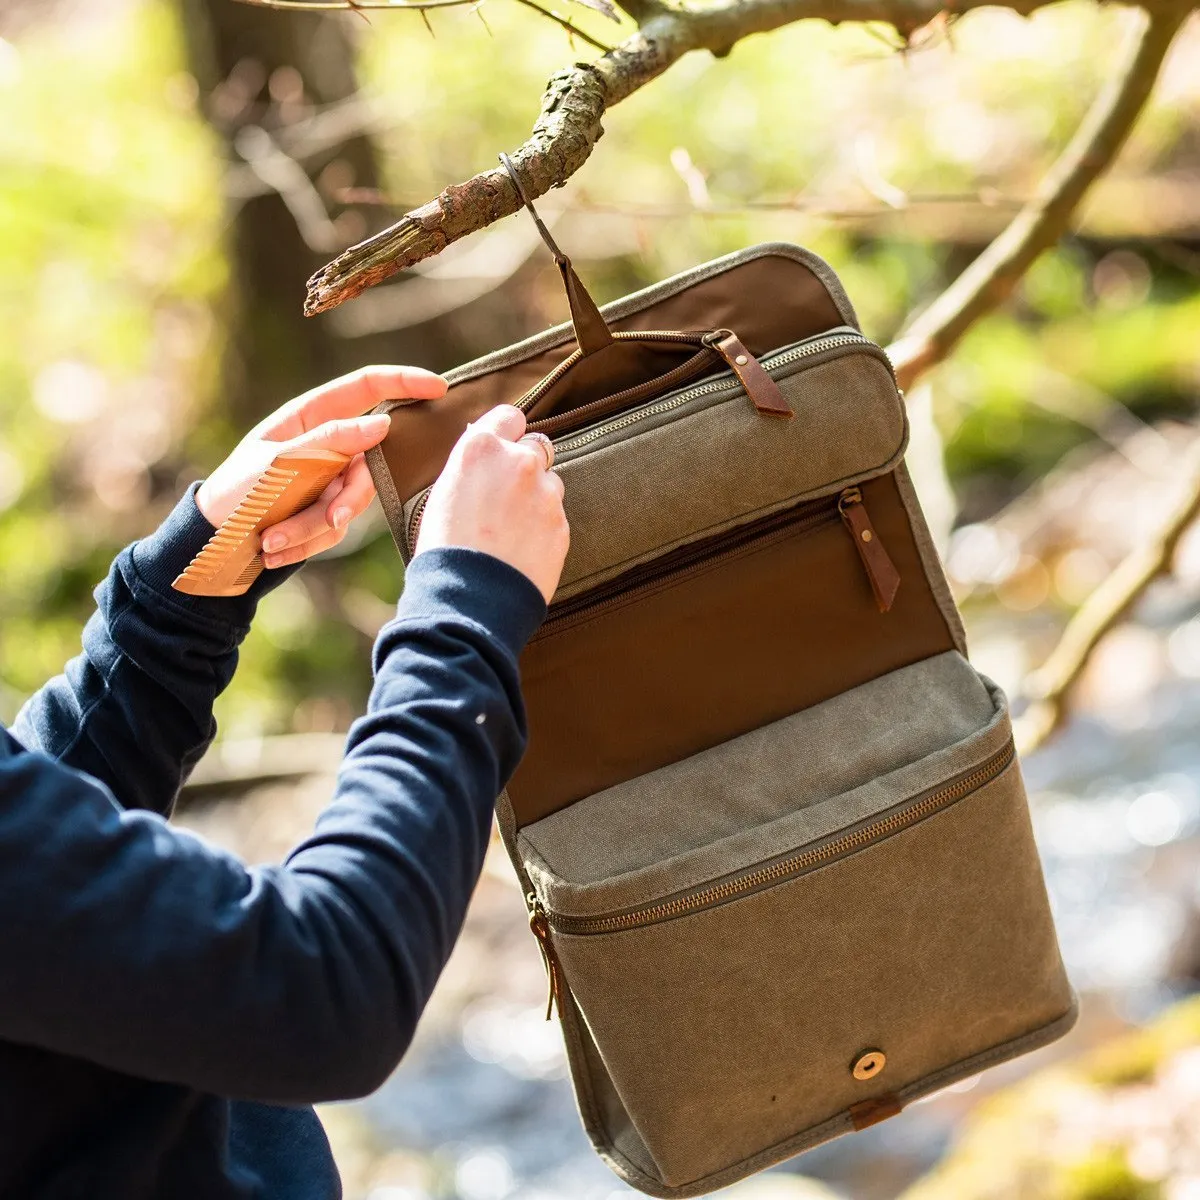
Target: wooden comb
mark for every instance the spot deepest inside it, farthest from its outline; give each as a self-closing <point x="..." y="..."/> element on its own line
<point x="232" y="558"/>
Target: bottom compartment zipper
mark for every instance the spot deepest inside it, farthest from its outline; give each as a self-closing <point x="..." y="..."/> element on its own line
<point x="780" y="870"/>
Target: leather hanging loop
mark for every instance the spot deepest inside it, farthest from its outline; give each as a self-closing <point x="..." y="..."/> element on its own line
<point x="591" y="330"/>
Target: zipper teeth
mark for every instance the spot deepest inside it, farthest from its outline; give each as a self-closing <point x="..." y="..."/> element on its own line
<point x="532" y="397"/>
<point x="414" y="521"/>
<point x="826" y="513"/>
<point x="796" y="863"/>
<point x="804" y="350"/>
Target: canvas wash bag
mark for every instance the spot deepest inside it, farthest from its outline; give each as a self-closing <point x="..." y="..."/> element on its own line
<point x="774" y="840"/>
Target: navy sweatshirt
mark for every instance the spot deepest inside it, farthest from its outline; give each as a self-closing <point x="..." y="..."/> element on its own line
<point x="167" y="1015"/>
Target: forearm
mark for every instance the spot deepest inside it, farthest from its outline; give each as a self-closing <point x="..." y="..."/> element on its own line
<point x="134" y="709"/>
<point x="151" y="952"/>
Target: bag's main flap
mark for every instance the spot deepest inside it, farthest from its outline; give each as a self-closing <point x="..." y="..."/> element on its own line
<point x="771" y="295"/>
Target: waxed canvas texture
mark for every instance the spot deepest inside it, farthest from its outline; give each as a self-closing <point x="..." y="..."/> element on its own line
<point x="770" y="818"/>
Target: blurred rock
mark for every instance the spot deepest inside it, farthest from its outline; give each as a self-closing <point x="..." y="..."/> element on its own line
<point x="1122" y="1123"/>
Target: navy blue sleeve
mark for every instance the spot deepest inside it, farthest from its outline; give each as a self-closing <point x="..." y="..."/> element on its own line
<point x="154" y="660"/>
<point x="145" y="949"/>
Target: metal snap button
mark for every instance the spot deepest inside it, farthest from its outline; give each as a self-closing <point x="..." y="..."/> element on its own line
<point x="868" y="1064"/>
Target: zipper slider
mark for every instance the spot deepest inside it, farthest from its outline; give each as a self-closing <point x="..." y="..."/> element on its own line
<point x="539" y="924"/>
<point x="881" y="571"/>
<point x="760" y="387"/>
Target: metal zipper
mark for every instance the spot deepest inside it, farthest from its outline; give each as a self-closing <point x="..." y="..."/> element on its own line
<point x="805" y="349"/>
<point x="542" y="920"/>
<point x="669" y="568"/>
<point x="794" y="864"/>
<point x="536" y="392"/>
<point x="414" y="523"/>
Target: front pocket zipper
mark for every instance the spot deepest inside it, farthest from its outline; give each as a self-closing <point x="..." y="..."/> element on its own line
<point x="780" y="870"/>
<point x="700" y="556"/>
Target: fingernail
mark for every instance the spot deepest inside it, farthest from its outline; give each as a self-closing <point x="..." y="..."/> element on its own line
<point x="377" y="423"/>
<point x="274" y="541"/>
<point x="341" y="516"/>
<point x="271" y="560"/>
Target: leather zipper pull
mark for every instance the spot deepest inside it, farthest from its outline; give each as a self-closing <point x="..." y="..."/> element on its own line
<point x="760" y="387"/>
<point x="541" y="930"/>
<point x="881" y="571"/>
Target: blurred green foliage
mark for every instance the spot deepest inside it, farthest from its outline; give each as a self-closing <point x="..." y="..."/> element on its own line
<point x="110" y="225"/>
<point x="893" y="166"/>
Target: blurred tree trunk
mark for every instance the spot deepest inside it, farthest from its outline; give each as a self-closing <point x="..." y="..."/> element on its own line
<point x="257" y="71"/>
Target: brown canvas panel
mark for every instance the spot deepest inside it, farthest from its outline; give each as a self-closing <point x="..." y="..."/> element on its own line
<point x="769" y="301"/>
<point x="739" y="644"/>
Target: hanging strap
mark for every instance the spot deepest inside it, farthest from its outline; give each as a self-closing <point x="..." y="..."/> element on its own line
<point x="591" y="331"/>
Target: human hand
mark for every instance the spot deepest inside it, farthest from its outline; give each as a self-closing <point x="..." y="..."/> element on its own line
<point x="327" y="418"/>
<point x="497" y="494"/>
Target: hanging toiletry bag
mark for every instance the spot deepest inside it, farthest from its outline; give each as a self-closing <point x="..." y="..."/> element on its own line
<point x="770" y="825"/>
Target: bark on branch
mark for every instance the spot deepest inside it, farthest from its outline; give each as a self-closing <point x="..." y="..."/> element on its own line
<point x="1049" y="688"/>
<point x="573" y="107"/>
<point x="991" y="278"/>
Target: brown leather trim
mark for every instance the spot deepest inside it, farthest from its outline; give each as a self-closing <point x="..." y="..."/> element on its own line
<point x="784" y="622"/>
<point x="866" y="1113"/>
<point x="881" y="571"/>
<point x="760" y="387"/>
<point x="590" y="330"/>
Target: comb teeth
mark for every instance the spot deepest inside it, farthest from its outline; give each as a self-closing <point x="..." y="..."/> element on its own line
<point x="231" y="560"/>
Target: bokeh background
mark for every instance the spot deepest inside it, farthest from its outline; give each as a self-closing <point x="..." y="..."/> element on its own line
<point x="172" y="170"/>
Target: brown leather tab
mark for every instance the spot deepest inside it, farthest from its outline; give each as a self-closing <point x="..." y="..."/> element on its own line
<point x="591" y="331"/>
<point x="866" y="1113"/>
<point x="760" y="387"/>
<point x="881" y="571"/>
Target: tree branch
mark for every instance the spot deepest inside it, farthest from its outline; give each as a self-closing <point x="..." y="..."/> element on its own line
<point x="990" y="279"/>
<point x="642" y="10"/>
<point x="576" y="99"/>
<point x="1049" y="688"/>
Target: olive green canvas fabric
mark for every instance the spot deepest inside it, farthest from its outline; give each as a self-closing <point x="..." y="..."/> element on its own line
<point x="771" y="829"/>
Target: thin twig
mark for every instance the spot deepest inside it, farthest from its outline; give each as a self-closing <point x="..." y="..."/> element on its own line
<point x="377" y="197"/>
<point x="284" y="175"/>
<point x="567" y="24"/>
<point x="1049" y="688"/>
<point x="990" y="279"/>
<point x="355" y="5"/>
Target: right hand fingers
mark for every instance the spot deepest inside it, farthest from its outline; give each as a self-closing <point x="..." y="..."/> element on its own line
<point x="505" y="421"/>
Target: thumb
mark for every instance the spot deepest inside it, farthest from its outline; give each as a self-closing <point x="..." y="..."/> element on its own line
<point x="350" y="436"/>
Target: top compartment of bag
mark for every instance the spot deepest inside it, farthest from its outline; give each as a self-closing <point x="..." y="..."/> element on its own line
<point x="771" y="295"/>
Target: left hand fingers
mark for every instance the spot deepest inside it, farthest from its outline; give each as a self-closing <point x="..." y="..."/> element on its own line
<point x="351" y="396"/>
<point x="295" y="554"/>
<point x="358" y="490"/>
<point x="303" y="526"/>
<point x="347" y="497"/>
